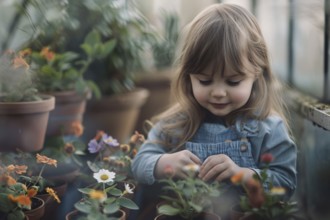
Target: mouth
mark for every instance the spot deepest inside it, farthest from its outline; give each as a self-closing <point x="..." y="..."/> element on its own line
<point x="219" y="105"/>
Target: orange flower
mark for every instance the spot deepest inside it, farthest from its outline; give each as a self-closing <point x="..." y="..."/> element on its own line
<point x="20" y="169"/>
<point x="10" y="168"/>
<point x="99" y="135"/>
<point x="134" y="152"/>
<point x="46" y="160"/>
<point x="22" y="200"/>
<point x="53" y="194"/>
<point x="76" y="128"/>
<point x="237" y="178"/>
<point x="32" y="192"/>
<point x="19" y="62"/>
<point x="47" y="53"/>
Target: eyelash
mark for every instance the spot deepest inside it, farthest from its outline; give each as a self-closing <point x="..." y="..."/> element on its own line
<point x="205" y="82"/>
<point x="233" y="83"/>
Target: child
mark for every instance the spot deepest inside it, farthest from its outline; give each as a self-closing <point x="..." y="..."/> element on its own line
<point x="228" y="112"/>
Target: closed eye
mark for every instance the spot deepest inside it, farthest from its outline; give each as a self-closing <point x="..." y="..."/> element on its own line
<point x="233" y="83"/>
<point x="205" y="82"/>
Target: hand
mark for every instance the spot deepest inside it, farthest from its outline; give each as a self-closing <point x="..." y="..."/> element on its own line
<point x="177" y="161"/>
<point x="220" y="167"/>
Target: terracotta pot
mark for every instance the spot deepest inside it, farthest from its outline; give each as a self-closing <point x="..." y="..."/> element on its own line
<point x="202" y="216"/>
<point x="23" y="124"/>
<point x="37" y="210"/>
<point x="69" y="108"/>
<point x="159" y="85"/>
<point x="115" y="115"/>
<point x="75" y="214"/>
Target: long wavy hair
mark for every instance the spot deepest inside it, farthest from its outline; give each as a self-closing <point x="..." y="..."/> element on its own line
<point x="221" y="36"/>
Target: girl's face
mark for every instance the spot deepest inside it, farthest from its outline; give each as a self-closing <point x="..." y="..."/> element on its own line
<point x="221" y="94"/>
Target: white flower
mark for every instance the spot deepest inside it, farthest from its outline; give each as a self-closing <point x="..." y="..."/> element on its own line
<point x="128" y="189"/>
<point x="104" y="176"/>
<point x="191" y="168"/>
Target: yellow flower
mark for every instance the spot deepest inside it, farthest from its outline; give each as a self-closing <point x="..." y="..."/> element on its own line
<point x="46" y="160"/>
<point x="277" y="190"/>
<point x="53" y="194"/>
<point x="97" y="194"/>
<point x="125" y="148"/>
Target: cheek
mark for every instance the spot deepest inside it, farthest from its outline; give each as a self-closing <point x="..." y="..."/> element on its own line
<point x="200" y="94"/>
<point x="241" y="95"/>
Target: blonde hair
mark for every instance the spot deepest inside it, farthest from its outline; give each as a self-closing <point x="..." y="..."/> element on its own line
<point x="227" y="36"/>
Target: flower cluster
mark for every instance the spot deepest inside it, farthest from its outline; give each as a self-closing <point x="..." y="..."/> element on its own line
<point x="16" y="189"/>
<point x="16" y="79"/>
<point x="113" y="155"/>
<point x="261" y="203"/>
<point x="187" y="197"/>
<point x="104" y="199"/>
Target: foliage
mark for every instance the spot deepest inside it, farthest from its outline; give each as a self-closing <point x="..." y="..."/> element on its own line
<point x="264" y="204"/>
<point x="65" y="71"/>
<point x="117" y="21"/>
<point x="187" y="197"/>
<point x="16" y="79"/>
<point x="105" y="198"/>
<point x="164" y="47"/>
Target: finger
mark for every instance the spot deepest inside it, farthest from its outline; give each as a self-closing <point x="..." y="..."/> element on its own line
<point x="208" y="164"/>
<point x="195" y="159"/>
<point x="214" y="172"/>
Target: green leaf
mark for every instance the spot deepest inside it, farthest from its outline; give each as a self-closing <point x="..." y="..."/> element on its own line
<point x="114" y="192"/>
<point x="85" y="190"/>
<point x="125" y="202"/>
<point x="111" y="208"/>
<point x="168" y="210"/>
<point x="83" y="207"/>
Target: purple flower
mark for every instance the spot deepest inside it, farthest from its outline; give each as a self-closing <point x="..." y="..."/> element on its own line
<point x="94" y="147"/>
<point x="110" y="141"/>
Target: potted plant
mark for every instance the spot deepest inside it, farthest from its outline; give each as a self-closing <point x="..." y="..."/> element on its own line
<point x="62" y="75"/>
<point x="120" y="22"/>
<point x="23" y="111"/>
<point x="158" y="79"/>
<point x="103" y="200"/>
<point x="188" y="198"/>
<point x="110" y="154"/>
<point x="261" y="204"/>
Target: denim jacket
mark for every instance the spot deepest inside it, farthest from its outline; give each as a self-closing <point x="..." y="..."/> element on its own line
<point x="244" y="143"/>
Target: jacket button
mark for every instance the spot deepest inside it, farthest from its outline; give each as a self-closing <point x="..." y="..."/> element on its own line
<point x="243" y="147"/>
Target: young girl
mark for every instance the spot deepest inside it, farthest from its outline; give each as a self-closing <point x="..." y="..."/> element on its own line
<point x="228" y="112"/>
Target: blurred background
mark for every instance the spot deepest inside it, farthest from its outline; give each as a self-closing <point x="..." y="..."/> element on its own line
<point x="147" y="36"/>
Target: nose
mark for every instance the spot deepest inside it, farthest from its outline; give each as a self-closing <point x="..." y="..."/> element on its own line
<point x="218" y="91"/>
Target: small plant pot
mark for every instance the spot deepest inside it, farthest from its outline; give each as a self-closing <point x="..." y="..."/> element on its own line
<point x="23" y="124"/>
<point x="37" y="209"/>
